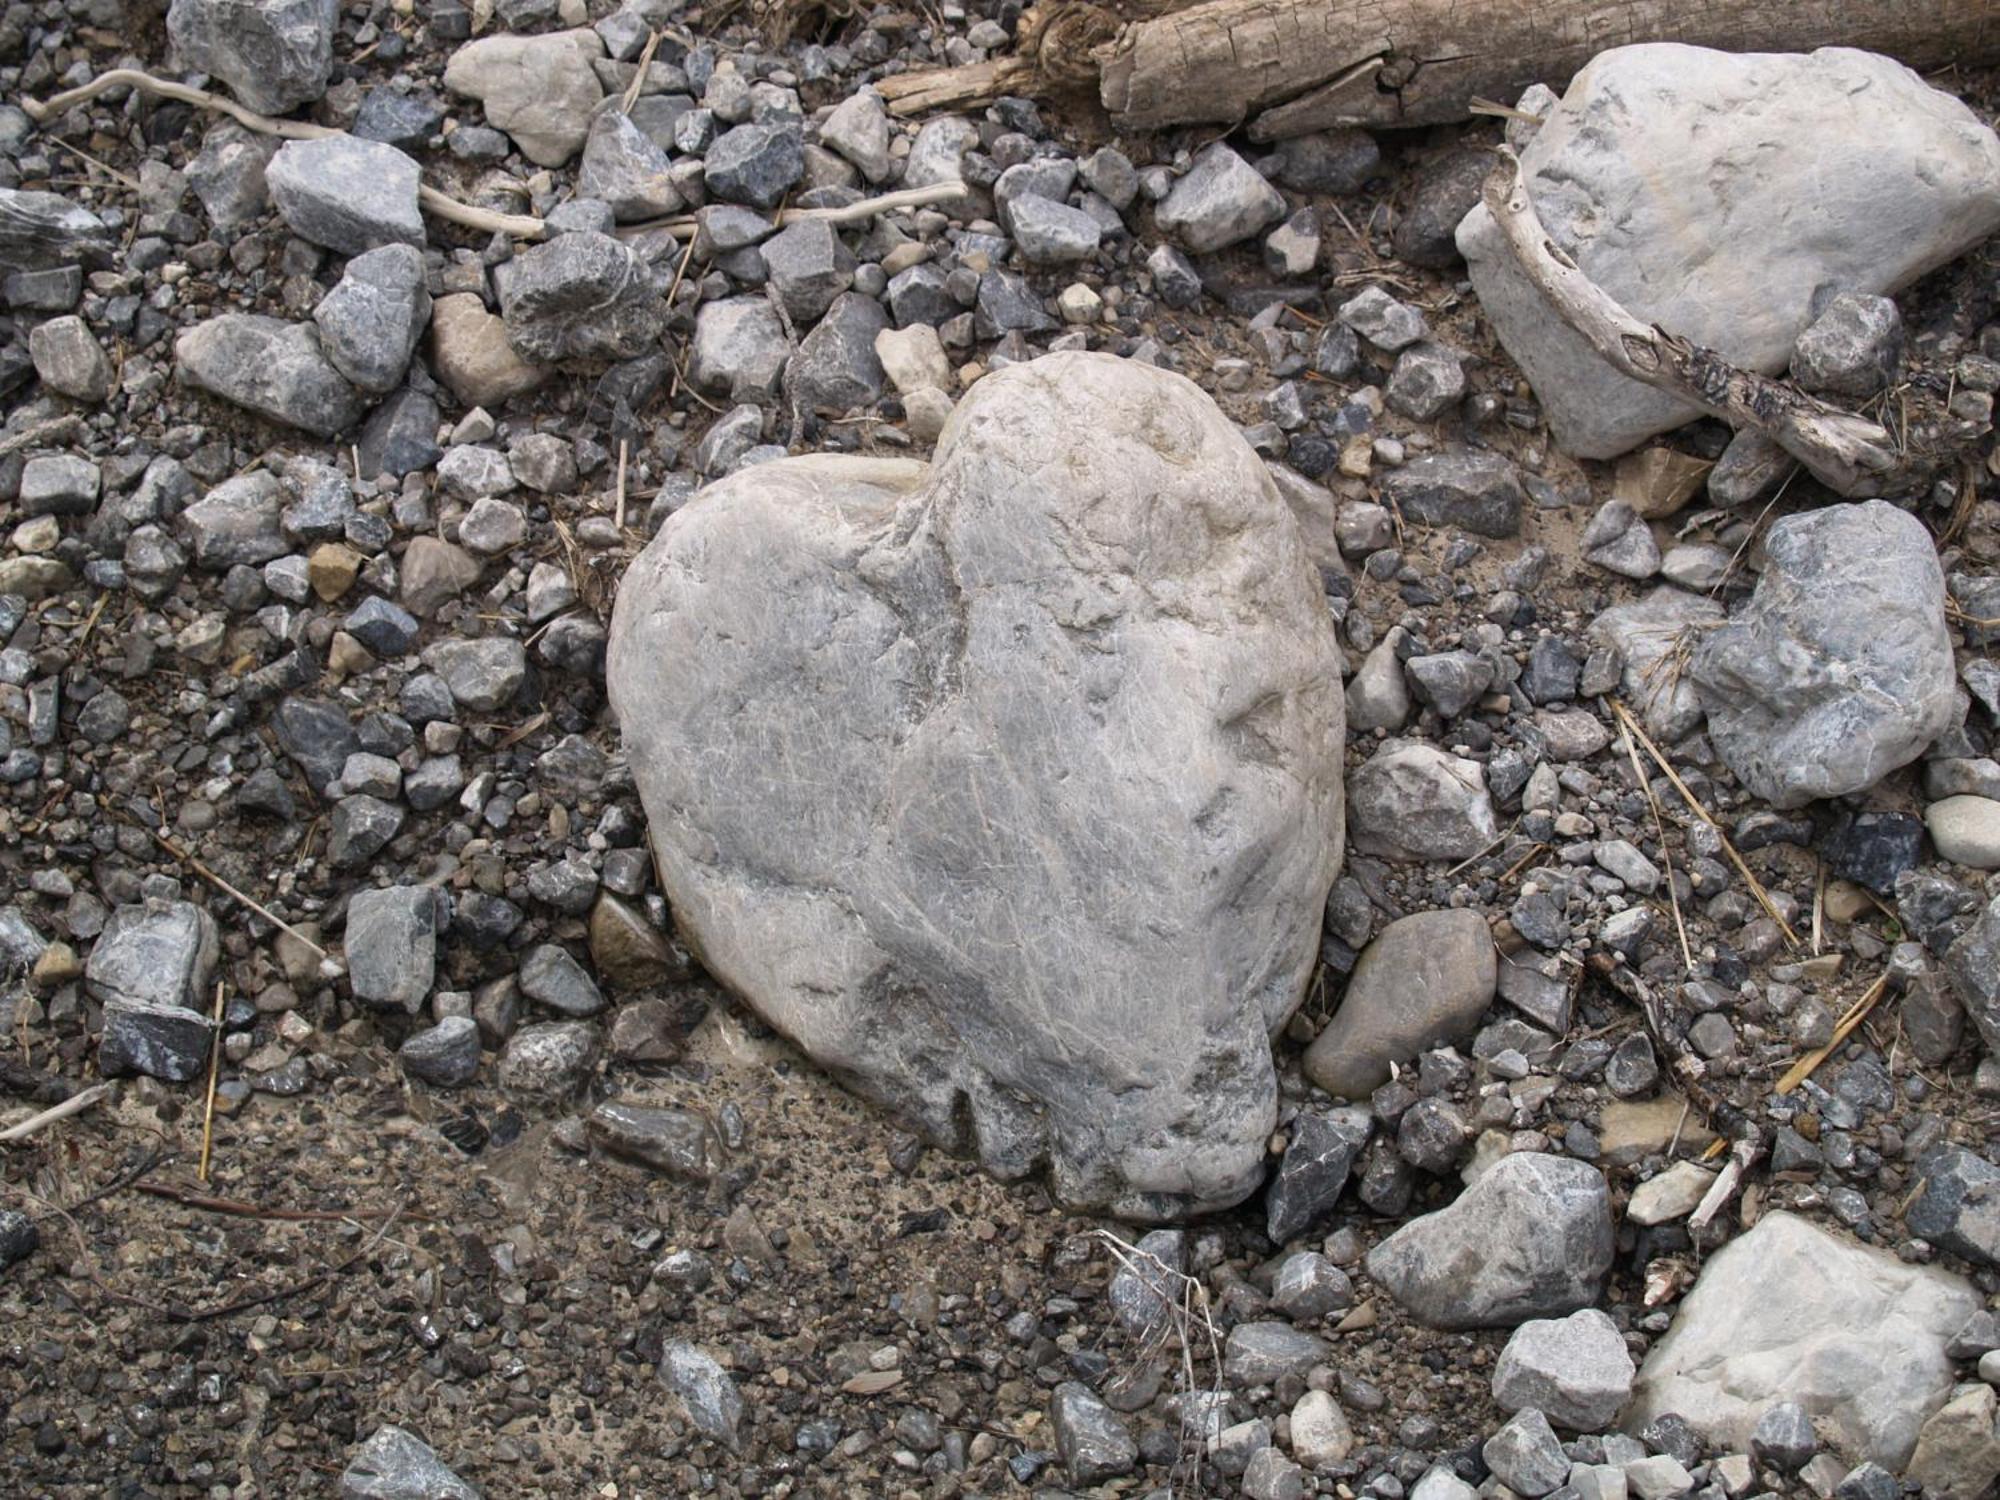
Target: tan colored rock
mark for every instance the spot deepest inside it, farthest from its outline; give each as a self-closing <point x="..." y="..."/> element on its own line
<point x="331" y="569"/>
<point x="1958" y="1451"/>
<point x="434" y="572"/>
<point x="1631" y="1130"/>
<point x="1657" y="482"/>
<point x="473" y="358"/>
<point x="913" y="358"/>
<point x="628" y="952"/>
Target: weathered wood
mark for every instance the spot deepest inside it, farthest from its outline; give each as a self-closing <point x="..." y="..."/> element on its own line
<point x="1848" y="454"/>
<point x="1292" y="66"/>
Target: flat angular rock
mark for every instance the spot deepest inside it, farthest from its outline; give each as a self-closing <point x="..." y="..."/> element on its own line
<point x="836" y="368"/>
<point x="739" y="348"/>
<point x="583" y="296"/>
<point x="346" y="194"/>
<point x="960" y="871"/>
<point x="858" y="129"/>
<point x="473" y="355"/>
<point x="677" y="1142"/>
<point x="1474" y="491"/>
<point x="1648" y="635"/>
<point x="274" y="368"/>
<point x="623" y="167"/>
<point x="1574" y="1370"/>
<point x="713" y="1403"/>
<point x="1973" y="965"/>
<point x="1425" y="980"/>
<point x="273" y="54"/>
<point x="1531" y="1238"/>
<point x="1791" y="1312"/>
<point x="1413" y="801"/>
<point x="1220" y="200"/>
<point x="539" y="89"/>
<point x="397" y="1465"/>
<point x="1526" y="1455"/>
<point x="1839" y="669"/>
<point x="1089" y="1436"/>
<point x="391" y="946"/>
<point x="1264" y="1353"/>
<point x="756" y="164"/>
<point x="41" y="231"/>
<point x="1802" y="141"/>
<point x="1319" y="1156"/>
<point x="369" y="324"/>
<point x="236" y="524"/>
<point x="445" y="1056"/>
<point x="808" y="267"/>
<point x="1959" y="1207"/>
<point x="156" y="954"/>
<point x="169" y="1042"/>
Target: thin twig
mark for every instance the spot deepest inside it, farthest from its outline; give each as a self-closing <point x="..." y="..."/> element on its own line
<point x="1659" y="828"/>
<point x="631" y="94"/>
<point x="1694" y="805"/>
<point x="214" y="1074"/>
<point x="683" y="226"/>
<point x="229" y="890"/>
<point x="74" y="1104"/>
<point x="436" y="203"/>
<point x="1803" y="1069"/>
<point x="236" y="1208"/>
<point x="624" y="448"/>
<point x="297" y="1289"/>
<point x="1741" y="1157"/>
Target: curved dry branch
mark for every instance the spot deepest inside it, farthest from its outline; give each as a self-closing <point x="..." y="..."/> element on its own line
<point x="1848" y="454"/>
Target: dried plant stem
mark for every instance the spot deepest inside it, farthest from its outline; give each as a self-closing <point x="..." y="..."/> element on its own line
<point x="1660" y="829"/>
<point x="434" y="203"/>
<point x="1186" y="1318"/>
<point x="73" y="1105"/>
<point x="214" y="1074"/>
<point x="682" y="228"/>
<point x="1848" y="454"/>
<point x="1693" y="802"/>
<point x="1803" y="1069"/>
<point x="229" y="890"/>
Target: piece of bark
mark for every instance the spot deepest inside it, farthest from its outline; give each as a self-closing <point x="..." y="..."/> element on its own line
<point x="1848" y="454"/>
<point x="1288" y="67"/>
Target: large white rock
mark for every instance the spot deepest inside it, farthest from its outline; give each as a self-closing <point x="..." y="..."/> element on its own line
<point x="1008" y="786"/>
<point x="1789" y="1312"/>
<point x="1714" y="194"/>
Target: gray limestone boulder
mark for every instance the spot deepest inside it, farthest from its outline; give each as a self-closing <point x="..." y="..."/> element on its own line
<point x="347" y="194"/>
<point x="1789" y="1312"/>
<point x="370" y="322"/>
<point x="1773" y="175"/>
<point x="1015" y="796"/>
<point x="154" y="954"/>
<point x="274" y="54"/>
<point x="1531" y="1238"/>
<point x="1410" y="800"/>
<point x="266" y="365"/>
<point x="1839" y="669"/>
<point x="539" y="89"/>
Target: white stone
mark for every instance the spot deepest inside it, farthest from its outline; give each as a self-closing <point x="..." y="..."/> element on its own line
<point x="1674" y="1194"/>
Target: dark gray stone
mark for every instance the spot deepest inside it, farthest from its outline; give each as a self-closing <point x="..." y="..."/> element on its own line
<point x="1474" y="491"/>
<point x="347" y="194"/>
<point x="370" y="322"/>
<point x="836" y="368"/>
<point x="808" y="267"/>
<point x="1318" y="1158"/>
<point x="391" y="946"/>
<point x="169" y="1042"/>
<point x="713" y="1403"/>
<point x="1959" y="1207"/>
<point x="551" y="977"/>
<point x="583" y="296"/>
<point x="626" y="169"/>
<point x="273" y="54"/>
<point x="268" y="366"/>
<point x="756" y="164"/>
<point x="1089" y="1436"/>
<point x="446" y="1055"/>
<point x="679" y="1143"/>
<point x="1852" y="348"/>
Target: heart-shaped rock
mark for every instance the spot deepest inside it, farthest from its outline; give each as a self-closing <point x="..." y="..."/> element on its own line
<point x="1009" y="786"/>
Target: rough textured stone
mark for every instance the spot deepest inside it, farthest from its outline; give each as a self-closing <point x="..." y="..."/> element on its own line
<point x="836" y="368"/>
<point x="1839" y="670"/>
<point x="1531" y="1238"/>
<point x="1427" y="979"/>
<point x="1318" y="1157"/>
<point x="1648" y="634"/>
<point x="959" y="935"/>
<point x="713" y="1403"/>
<point x="1803" y="141"/>
<point x="1141" y="1293"/>
<point x="679" y="1143"/>
<point x="1958" y="1452"/>
<point x="1788" y="1311"/>
<point x="583" y="296"/>
<point x="69" y="360"/>
<point x="397" y="1465"/>
<point x="1264" y="1353"/>
<point x="1972" y="963"/>
<point x="274" y="54"/>
<point x="445" y="1056"/>
<point x="1959" y="1207"/>
<point x="756" y="164"/>
<point x="155" y="954"/>
<point x="539" y="89"/>
<point x="391" y="946"/>
<point x="271" y="367"/>
<point x="346" y="194"/>
<point x="370" y="322"/>
<point x="1852" y="348"/>
<point x="1474" y="491"/>
<point x="1089" y="1436"/>
<point x="1574" y="1370"/>
<point x="1526" y="1456"/>
<point x="740" y="349"/>
<point x="625" y="168"/>
<point x="1413" y="801"/>
<point x="1220" y="200"/>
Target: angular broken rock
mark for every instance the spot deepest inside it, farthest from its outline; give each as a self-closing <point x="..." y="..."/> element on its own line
<point x="1839" y="669"/>
<point x="539" y="89"/>
<point x="397" y="1465"/>
<point x="1532" y="1238"/>
<point x="583" y="295"/>
<point x="1014" y="795"/>
<point x="1783" y="145"/>
<point x="274" y="54"/>
<point x="268" y="366"/>
<point x="1789" y="1312"/>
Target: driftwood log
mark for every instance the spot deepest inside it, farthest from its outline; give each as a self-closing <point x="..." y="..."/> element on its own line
<point x="1286" y="67"/>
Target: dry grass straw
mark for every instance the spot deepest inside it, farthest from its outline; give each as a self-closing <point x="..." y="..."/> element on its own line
<point x="1637" y="731"/>
<point x="1803" y="1069"/>
<point x="1184" y="1319"/>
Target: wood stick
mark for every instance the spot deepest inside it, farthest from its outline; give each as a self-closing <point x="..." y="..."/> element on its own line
<point x="214" y="1074"/>
<point x="435" y="203"/>
<point x="1742" y="1156"/>
<point x="1660" y="828"/>
<point x="682" y="227"/>
<point x="1848" y="454"/>
<point x="73" y="1105"/>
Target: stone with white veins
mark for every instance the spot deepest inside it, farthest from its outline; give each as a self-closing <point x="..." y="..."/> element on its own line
<point x="273" y="54"/>
<point x="739" y="349"/>
<point x="347" y="194"/>
<point x="158" y="953"/>
<point x="1651" y="634"/>
<point x="713" y="1404"/>
<point x="1220" y="200"/>
<point x="583" y="295"/>
<point x="1413" y="801"/>
<point x="945" y="851"/>
<point x="1424" y="981"/>
<point x="1839" y="669"/>
<point x="1532" y="1237"/>
<point x="1575" y="1370"/>
<point x="369" y="324"/>
<point x="1089" y="1436"/>
<point x="1789" y="1311"/>
<point x="539" y="89"/>
<point x="938" y="153"/>
<point x="268" y="366"/>
<point x="624" y="168"/>
<point x="1836" y="137"/>
<point x="398" y="1465"/>
<point x="391" y="946"/>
